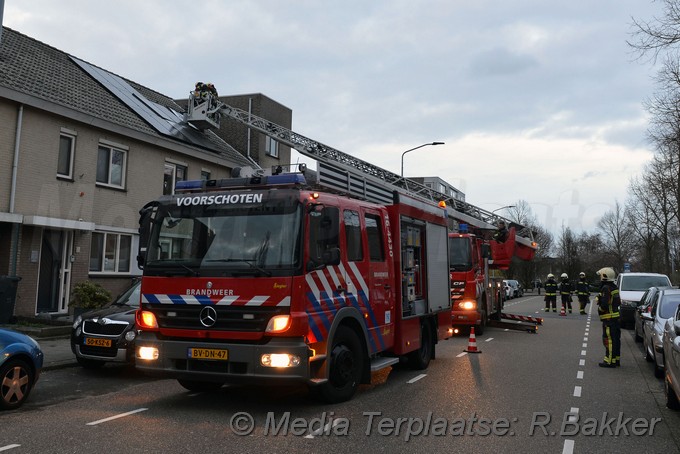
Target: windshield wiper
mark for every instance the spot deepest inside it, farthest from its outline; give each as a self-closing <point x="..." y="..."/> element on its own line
<point x="193" y="272"/>
<point x="248" y="261"/>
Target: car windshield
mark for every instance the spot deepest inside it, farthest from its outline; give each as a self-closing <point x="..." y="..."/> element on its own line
<point x="668" y="305"/>
<point x="130" y="297"/>
<point x="642" y="283"/>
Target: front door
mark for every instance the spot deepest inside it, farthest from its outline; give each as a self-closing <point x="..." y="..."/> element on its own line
<point x="55" y="271"/>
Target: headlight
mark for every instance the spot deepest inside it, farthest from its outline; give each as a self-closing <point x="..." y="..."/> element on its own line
<point x="77" y="321"/>
<point x="468" y="305"/>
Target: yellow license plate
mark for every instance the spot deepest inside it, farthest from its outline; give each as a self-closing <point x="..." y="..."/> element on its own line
<point x="96" y="342"/>
<point x="209" y="353"/>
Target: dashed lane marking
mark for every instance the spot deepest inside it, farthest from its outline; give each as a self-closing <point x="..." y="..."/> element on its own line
<point x="8" y="447"/>
<point x="415" y="379"/>
<point x="579" y="375"/>
<point x="111" y="418"/>
<point x="568" y="447"/>
<point x="577" y="391"/>
<point x="489" y="339"/>
<point x="461" y="354"/>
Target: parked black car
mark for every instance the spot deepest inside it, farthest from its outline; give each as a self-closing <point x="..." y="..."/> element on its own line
<point x="107" y="334"/>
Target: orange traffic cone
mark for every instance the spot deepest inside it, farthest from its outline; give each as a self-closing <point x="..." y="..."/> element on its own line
<point x="472" y="343"/>
<point x="562" y="312"/>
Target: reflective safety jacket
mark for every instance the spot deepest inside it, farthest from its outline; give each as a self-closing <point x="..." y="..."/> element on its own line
<point x="608" y="301"/>
<point x="566" y="288"/>
<point x="582" y="288"/>
<point x="550" y="287"/>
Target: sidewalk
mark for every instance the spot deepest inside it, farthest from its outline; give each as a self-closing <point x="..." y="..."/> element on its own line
<point x="57" y="352"/>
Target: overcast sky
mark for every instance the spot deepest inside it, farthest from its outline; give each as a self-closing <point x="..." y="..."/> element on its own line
<point x="536" y="100"/>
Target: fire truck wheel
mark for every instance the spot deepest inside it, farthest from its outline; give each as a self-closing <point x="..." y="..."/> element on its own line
<point x="346" y="365"/>
<point x="479" y="329"/>
<point x="200" y="386"/>
<point x="420" y="358"/>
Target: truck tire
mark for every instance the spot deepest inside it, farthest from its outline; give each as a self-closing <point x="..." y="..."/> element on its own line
<point x="200" y="386"/>
<point x="346" y="365"/>
<point x="479" y="329"/>
<point x="420" y="359"/>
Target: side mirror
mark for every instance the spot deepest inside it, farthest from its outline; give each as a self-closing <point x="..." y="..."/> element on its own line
<point x="647" y="316"/>
<point x="486" y="251"/>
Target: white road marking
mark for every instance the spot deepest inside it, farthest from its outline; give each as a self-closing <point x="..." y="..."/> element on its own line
<point x="489" y="339"/>
<point x="579" y="375"/>
<point x="581" y="362"/>
<point x="7" y="447"/>
<point x="585" y="339"/>
<point x="577" y="391"/>
<point x="94" y="423"/>
<point x="585" y="345"/>
<point x="573" y="416"/>
<point x="415" y="379"/>
<point x="583" y="353"/>
<point x="325" y="429"/>
<point x="461" y="354"/>
<point x="568" y="447"/>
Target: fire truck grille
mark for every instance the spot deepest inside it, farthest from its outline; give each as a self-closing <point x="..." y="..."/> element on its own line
<point x="229" y="318"/>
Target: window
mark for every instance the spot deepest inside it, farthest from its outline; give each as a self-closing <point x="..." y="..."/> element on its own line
<point x="355" y="250"/>
<point x="111" y="166"/>
<point x="110" y="252"/>
<point x="66" y="150"/>
<point x="173" y="173"/>
<point x="271" y="147"/>
<point x="375" y="238"/>
<point x="205" y="175"/>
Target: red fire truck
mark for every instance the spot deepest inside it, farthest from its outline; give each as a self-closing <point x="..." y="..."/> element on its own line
<point x="276" y="279"/>
<point x="477" y="297"/>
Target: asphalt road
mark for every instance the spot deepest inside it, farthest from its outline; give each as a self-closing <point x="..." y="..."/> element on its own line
<point x="523" y="393"/>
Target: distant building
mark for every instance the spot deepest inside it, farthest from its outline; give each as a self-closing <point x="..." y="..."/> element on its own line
<point x="440" y="185"/>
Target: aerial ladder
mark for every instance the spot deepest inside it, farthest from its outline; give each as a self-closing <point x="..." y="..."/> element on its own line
<point x="350" y="175"/>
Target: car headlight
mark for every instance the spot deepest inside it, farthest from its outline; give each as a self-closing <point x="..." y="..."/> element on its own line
<point x="77" y="321"/>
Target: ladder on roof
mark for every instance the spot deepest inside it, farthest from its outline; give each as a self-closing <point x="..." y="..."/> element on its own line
<point x="336" y="169"/>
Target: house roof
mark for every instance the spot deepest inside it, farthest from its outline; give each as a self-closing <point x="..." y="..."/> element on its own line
<point x="39" y="71"/>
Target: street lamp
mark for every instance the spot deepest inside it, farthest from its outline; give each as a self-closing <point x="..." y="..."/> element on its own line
<point x="502" y="208"/>
<point x="419" y="146"/>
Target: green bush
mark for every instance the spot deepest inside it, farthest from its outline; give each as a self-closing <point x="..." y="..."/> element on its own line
<point x="89" y="295"/>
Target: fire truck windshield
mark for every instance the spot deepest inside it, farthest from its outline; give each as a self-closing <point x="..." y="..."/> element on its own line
<point x="222" y="240"/>
<point x="460" y="255"/>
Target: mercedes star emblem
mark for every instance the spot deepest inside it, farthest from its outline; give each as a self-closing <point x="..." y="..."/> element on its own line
<point x="208" y="316"/>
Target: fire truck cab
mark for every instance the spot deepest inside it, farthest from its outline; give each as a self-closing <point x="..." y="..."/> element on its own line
<point x="263" y="279"/>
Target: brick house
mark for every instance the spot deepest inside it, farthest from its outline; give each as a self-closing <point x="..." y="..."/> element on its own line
<point x="81" y="151"/>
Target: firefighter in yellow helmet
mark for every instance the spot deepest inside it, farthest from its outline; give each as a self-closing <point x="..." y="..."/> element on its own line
<point x="583" y="292"/>
<point x="608" y="303"/>
<point x="550" y="293"/>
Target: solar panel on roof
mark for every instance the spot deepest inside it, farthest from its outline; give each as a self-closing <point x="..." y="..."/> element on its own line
<point x="164" y="120"/>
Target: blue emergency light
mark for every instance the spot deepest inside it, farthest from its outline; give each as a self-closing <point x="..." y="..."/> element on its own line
<point x="286" y="179"/>
<point x="462" y="228"/>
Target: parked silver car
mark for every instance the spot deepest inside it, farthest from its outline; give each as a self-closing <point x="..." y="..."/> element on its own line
<point x="645" y="305"/>
<point x="664" y="306"/>
<point x="671" y="348"/>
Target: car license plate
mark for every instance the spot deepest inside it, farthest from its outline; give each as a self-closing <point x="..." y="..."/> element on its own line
<point x="209" y="353"/>
<point x="97" y="342"/>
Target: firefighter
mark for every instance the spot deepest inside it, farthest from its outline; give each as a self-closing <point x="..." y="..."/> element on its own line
<point x="565" y="292"/>
<point x="583" y="292"/>
<point x="608" y="303"/>
<point x="502" y="233"/>
<point x="550" y="293"/>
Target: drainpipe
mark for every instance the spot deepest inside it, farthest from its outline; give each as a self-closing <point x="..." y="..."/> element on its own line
<point x="13" y="189"/>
